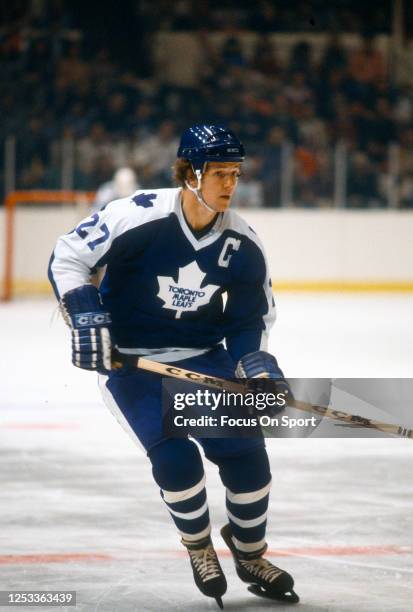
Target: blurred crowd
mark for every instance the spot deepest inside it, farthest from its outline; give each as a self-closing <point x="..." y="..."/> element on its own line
<point x="65" y="82"/>
<point x="266" y="15"/>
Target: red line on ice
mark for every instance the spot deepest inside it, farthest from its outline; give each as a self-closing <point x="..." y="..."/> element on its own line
<point x="52" y="558"/>
<point x="316" y="551"/>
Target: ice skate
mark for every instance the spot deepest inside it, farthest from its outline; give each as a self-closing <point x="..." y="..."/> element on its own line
<point x="208" y="574"/>
<point x="265" y="579"/>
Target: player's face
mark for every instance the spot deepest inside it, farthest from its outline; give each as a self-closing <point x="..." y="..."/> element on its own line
<point x="219" y="182"/>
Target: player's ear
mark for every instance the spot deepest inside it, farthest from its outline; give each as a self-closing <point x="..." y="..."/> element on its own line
<point x="193" y="181"/>
<point x="191" y="178"/>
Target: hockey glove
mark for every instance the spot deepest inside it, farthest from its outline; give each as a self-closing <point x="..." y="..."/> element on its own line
<point x="263" y="365"/>
<point x="83" y="311"/>
<point x="258" y="365"/>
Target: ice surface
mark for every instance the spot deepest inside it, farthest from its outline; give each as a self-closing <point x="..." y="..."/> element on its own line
<point x="79" y="509"/>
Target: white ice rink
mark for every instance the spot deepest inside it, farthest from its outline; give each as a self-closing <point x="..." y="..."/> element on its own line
<point x="79" y="510"/>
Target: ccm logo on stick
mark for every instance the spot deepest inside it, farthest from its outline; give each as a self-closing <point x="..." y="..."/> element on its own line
<point x="204" y="379"/>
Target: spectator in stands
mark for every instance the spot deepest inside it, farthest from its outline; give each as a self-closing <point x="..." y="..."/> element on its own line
<point x="94" y="145"/>
<point x="305" y="174"/>
<point x="385" y="129"/>
<point x="111" y="109"/>
<point x="34" y="144"/>
<point x="406" y="167"/>
<point x="334" y="58"/>
<point x="232" y="53"/>
<point x="144" y="120"/>
<point x="362" y="187"/>
<point x="284" y="118"/>
<point x="250" y="189"/>
<point x="103" y="170"/>
<point x="406" y="191"/>
<point x="103" y="67"/>
<point x="34" y="174"/>
<point x="298" y="91"/>
<point x="154" y="155"/>
<point x="72" y="67"/>
<point x="115" y="113"/>
<point x="38" y="60"/>
<point x="310" y="127"/>
<point x="366" y="64"/>
<point x="271" y="166"/>
<point x="328" y="94"/>
<point x="363" y="119"/>
<point x="402" y="111"/>
<point x="301" y="59"/>
<point x="264" y="17"/>
<point x="264" y="58"/>
<point x="77" y="118"/>
<point x="324" y="178"/>
<point x="183" y="17"/>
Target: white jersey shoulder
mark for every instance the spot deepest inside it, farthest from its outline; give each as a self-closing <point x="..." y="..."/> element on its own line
<point x="143" y="205"/>
<point x="77" y="253"/>
<point x="233" y="221"/>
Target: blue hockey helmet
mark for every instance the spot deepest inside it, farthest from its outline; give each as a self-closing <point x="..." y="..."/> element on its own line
<point x="210" y="143"/>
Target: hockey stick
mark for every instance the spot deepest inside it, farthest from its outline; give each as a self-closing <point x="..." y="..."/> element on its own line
<point x="352" y="420"/>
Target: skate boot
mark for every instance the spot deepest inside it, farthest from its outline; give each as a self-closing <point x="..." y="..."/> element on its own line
<point x="208" y="575"/>
<point x="265" y="579"/>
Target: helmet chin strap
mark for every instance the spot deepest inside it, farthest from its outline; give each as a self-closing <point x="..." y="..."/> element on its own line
<point x="197" y="191"/>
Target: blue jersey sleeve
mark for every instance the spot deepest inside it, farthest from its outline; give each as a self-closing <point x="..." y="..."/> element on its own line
<point x="250" y="308"/>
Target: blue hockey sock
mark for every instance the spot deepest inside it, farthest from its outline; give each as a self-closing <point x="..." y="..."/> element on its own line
<point x="247" y="479"/>
<point x="178" y="470"/>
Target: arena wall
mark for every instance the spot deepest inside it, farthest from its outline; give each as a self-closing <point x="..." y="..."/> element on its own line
<point x="307" y="249"/>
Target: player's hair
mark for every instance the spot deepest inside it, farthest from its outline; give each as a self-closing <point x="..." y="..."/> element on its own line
<point x="182" y="171"/>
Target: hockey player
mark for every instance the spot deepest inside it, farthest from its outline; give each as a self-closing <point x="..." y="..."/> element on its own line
<point x="155" y="245"/>
<point x="123" y="184"/>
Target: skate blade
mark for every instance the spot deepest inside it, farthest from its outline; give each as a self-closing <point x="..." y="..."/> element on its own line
<point x="289" y="597"/>
<point x="219" y="602"/>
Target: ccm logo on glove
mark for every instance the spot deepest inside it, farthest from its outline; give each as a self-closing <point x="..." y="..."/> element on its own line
<point x="90" y="319"/>
<point x="83" y="311"/>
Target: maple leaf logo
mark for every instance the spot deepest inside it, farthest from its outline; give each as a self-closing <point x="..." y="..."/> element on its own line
<point x="186" y="295"/>
<point x="144" y="199"/>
